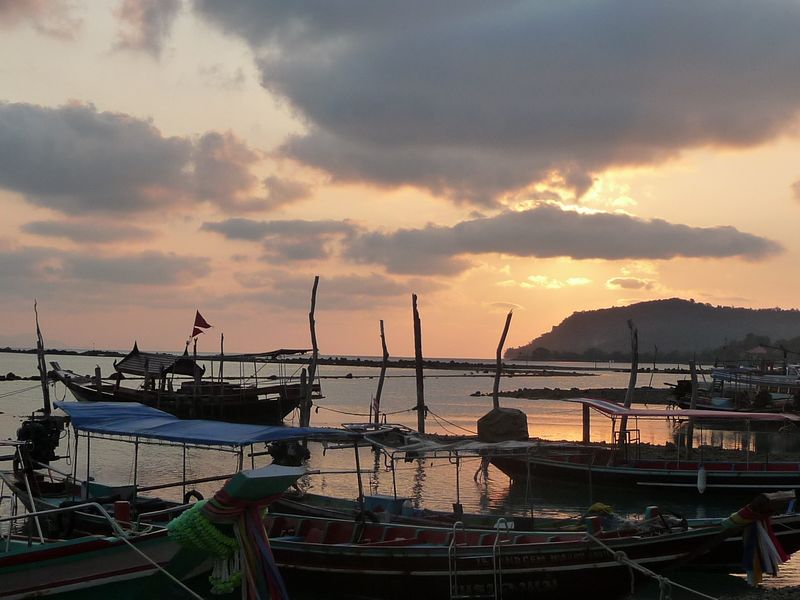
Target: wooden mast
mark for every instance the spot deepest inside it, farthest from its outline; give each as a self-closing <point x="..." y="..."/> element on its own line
<point x="421" y="409"/>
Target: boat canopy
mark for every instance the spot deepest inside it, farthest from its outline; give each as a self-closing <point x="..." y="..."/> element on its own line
<point x="137" y="420"/>
<point x="158" y="364"/>
<point x="612" y="409"/>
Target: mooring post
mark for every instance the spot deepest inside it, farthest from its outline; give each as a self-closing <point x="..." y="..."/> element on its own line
<point x="376" y="403"/>
<point x="499" y="369"/>
<point x="692" y="405"/>
<point x="41" y="363"/>
<point x="586" y="424"/>
<point x="418" y="364"/>
<point x="623" y="427"/>
<point x="305" y="410"/>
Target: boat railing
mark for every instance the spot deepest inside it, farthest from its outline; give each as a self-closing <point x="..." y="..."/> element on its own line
<point x="158" y="513"/>
<point x="117" y="531"/>
<point x="497" y="567"/>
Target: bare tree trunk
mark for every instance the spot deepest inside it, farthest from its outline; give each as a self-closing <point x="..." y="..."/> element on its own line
<point x="418" y="363"/>
<point x="499" y="369"/>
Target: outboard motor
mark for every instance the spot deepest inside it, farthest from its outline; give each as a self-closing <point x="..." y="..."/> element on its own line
<point x="288" y="454"/>
<point x="42" y="434"/>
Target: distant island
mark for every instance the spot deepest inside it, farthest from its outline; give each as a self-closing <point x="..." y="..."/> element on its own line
<point x="679" y="328"/>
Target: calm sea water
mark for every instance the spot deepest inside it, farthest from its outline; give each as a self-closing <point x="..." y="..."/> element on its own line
<point x="428" y="483"/>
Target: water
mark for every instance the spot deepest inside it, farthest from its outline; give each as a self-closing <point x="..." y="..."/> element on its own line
<point x="432" y="484"/>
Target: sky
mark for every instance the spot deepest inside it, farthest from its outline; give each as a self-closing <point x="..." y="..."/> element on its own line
<point x="159" y="157"/>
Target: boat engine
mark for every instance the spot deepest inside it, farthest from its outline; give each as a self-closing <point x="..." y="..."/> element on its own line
<point x="288" y="454"/>
<point x="42" y="434"/>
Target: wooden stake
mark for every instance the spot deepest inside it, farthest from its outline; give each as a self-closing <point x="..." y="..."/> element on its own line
<point x="305" y="411"/>
<point x="692" y="405"/>
<point x="623" y="427"/>
<point x="376" y="404"/>
<point x="41" y="363"/>
<point x="418" y="363"/>
<point x="499" y="369"/>
<point x="221" y="355"/>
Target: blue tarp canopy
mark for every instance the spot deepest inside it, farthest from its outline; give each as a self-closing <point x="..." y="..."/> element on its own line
<point x="137" y="420"/>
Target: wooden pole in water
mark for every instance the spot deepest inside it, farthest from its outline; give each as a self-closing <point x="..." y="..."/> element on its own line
<point x="418" y="363"/>
<point x="41" y="362"/>
<point x="692" y="405"/>
<point x="623" y="426"/>
<point x="221" y="355"/>
<point x="376" y="405"/>
<point x="305" y="411"/>
<point x="499" y="369"/>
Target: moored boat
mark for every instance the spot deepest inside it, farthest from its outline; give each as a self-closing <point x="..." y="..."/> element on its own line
<point x="624" y="465"/>
<point x="178" y="384"/>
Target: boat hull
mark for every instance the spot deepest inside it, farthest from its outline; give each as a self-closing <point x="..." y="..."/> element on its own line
<point x="419" y="562"/>
<point x="738" y="479"/>
<point x="87" y="567"/>
<point x="235" y="407"/>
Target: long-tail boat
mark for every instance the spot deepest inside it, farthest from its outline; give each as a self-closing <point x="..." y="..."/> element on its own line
<point x="179" y="384"/>
<point x="125" y="562"/>
<point x="396" y="561"/>
<point x="626" y="464"/>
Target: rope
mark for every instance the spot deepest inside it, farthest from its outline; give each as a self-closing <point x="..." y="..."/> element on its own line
<point x="451" y="423"/>
<point x="356" y="414"/>
<point x="664" y="584"/>
<point x="20" y="391"/>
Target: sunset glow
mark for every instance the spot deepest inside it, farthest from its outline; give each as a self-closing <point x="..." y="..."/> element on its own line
<point x="158" y="157"/>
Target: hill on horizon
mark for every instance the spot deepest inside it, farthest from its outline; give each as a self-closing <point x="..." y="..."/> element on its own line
<point x="674" y="325"/>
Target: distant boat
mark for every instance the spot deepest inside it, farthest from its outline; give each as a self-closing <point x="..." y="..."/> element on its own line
<point x="177" y="384"/>
<point x="624" y="466"/>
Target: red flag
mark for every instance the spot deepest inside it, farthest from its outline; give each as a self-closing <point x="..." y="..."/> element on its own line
<point x="197" y="331"/>
<point x="199" y="321"/>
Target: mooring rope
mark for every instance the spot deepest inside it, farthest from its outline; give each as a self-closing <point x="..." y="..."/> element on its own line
<point x="664" y="584"/>
<point x="19" y="391"/>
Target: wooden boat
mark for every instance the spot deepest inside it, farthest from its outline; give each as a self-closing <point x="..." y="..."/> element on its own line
<point x="128" y="563"/>
<point x="265" y="400"/>
<point x="387" y="509"/>
<point x="622" y="465"/>
<point x="760" y="387"/>
<point x="396" y="561"/>
<point x="40" y="487"/>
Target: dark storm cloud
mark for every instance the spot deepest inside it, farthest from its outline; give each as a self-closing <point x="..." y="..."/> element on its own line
<point x="473" y="99"/>
<point x="77" y="160"/>
<point x="222" y="171"/>
<point x="88" y="232"/>
<point x="28" y="271"/>
<point x="545" y="232"/>
<point x="281" y="288"/>
<point x="287" y="240"/>
<point x="145" y="268"/>
<point x="281" y="191"/>
<point x="146" y="24"/>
